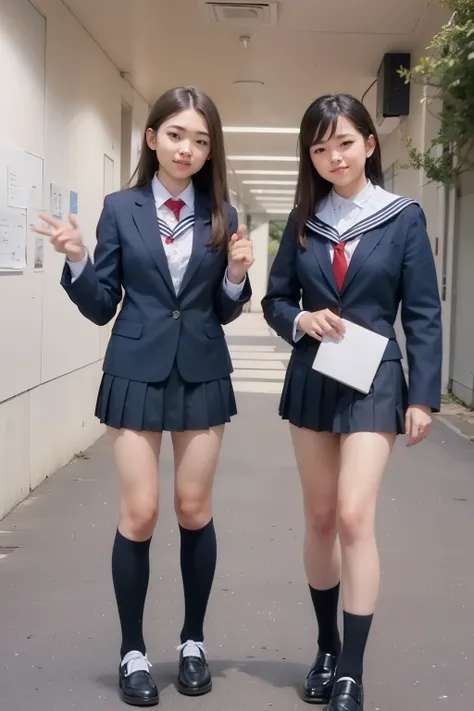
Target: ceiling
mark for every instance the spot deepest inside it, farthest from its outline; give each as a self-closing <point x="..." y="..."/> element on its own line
<point x="315" y="47"/>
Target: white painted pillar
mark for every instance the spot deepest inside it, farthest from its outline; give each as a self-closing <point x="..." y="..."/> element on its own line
<point x="258" y="273"/>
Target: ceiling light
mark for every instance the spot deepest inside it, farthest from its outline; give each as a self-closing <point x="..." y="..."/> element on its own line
<point x="269" y="182"/>
<point x="272" y="198"/>
<point x="248" y="82"/>
<point x="264" y="172"/>
<point x="260" y="191"/>
<point x="260" y="129"/>
<point x="265" y="158"/>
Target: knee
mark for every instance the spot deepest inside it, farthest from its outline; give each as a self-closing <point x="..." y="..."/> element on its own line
<point x="192" y="513"/>
<point x="321" y="521"/>
<point x="139" y="520"/>
<point x="353" y="524"/>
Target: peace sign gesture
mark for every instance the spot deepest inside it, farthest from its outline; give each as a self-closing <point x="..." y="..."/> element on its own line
<point x="65" y="238"/>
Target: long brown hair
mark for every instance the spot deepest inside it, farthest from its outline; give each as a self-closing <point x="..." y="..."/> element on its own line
<point x="212" y="178"/>
<point x="320" y="117"/>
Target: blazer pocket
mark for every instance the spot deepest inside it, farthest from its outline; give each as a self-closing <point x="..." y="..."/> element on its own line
<point x="213" y="330"/>
<point x="126" y="328"/>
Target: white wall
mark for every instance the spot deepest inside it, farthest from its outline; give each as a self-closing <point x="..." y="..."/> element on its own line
<point x="258" y="273"/>
<point x="422" y="126"/>
<point x="462" y="362"/>
<point x="66" y="110"/>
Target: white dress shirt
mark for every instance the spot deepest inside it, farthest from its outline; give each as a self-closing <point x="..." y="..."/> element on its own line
<point x="178" y="252"/>
<point x="342" y="214"/>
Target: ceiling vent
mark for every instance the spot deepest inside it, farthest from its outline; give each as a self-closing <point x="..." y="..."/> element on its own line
<point x="240" y="13"/>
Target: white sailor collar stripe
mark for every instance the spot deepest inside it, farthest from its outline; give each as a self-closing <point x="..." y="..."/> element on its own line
<point x="385" y="206"/>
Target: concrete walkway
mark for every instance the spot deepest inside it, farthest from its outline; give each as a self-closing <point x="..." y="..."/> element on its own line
<point x="58" y="622"/>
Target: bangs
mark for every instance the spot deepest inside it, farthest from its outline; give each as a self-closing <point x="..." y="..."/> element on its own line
<point x="322" y="125"/>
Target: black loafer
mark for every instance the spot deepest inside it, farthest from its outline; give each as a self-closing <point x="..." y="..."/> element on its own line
<point x="319" y="683"/>
<point x="137" y="688"/>
<point x="347" y="695"/>
<point x="194" y="677"/>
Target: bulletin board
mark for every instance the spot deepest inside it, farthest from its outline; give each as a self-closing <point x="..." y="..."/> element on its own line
<point x="21" y="197"/>
<point x="21" y="266"/>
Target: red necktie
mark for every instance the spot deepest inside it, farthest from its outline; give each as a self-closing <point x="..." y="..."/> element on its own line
<point x="339" y="264"/>
<point x="175" y="205"/>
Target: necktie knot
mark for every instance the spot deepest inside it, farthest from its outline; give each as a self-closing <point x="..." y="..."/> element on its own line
<point x="175" y="205"/>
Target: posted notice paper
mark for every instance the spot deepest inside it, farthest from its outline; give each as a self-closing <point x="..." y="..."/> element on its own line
<point x="12" y="239"/>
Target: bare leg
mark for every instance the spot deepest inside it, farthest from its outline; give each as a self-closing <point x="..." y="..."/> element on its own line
<point x="136" y="457"/>
<point x="317" y="457"/>
<point x="196" y="456"/>
<point x="364" y="456"/>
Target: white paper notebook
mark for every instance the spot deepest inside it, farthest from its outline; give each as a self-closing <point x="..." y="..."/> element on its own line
<point x="354" y="359"/>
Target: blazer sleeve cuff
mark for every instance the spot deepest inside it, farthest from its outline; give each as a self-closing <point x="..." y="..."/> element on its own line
<point x="233" y="291"/>
<point x="76" y="268"/>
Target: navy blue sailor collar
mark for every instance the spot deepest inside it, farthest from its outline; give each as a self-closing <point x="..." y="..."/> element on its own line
<point x="378" y="206"/>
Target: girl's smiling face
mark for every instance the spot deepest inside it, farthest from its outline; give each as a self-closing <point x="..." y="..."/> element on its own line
<point x="182" y="144"/>
<point x="341" y="155"/>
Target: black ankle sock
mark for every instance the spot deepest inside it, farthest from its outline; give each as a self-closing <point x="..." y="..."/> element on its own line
<point x="325" y="606"/>
<point x="130" y="574"/>
<point x="198" y="565"/>
<point x="356" y="633"/>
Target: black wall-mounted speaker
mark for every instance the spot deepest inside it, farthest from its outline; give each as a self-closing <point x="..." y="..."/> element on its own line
<point x="393" y="94"/>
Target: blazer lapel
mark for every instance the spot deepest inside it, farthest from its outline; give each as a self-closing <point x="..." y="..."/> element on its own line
<point x="321" y="251"/>
<point x="201" y="237"/>
<point x="383" y="207"/>
<point x="362" y="252"/>
<point x="145" y="218"/>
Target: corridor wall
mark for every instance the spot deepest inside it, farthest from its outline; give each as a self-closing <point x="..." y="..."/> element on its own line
<point x="60" y="147"/>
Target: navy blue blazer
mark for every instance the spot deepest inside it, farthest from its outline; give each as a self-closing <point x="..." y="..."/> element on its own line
<point x="392" y="263"/>
<point x="156" y="327"/>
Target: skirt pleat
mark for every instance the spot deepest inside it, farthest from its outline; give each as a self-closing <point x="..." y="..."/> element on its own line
<point x="316" y="402"/>
<point x="172" y="405"/>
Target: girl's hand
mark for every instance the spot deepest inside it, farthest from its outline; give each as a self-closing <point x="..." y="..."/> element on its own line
<point x="240" y="256"/>
<point x="418" y="423"/>
<point x="321" y="323"/>
<point x="65" y="238"/>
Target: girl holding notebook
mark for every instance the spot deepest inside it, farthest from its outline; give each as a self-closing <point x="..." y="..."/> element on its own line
<point x="350" y="251"/>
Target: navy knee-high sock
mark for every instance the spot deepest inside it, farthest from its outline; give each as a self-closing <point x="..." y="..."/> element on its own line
<point x="356" y="633"/>
<point x="130" y="574"/>
<point x="325" y="604"/>
<point x="198" y="565"/>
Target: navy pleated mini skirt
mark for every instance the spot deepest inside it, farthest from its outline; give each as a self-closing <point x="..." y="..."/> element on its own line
<point x="316" y="402"/>
<point x="172" y="405"/>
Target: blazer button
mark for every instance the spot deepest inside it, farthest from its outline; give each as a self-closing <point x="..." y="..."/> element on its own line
<point x="176" y="315"/>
